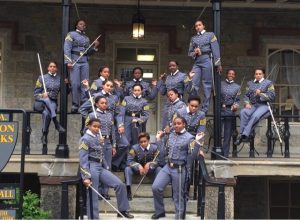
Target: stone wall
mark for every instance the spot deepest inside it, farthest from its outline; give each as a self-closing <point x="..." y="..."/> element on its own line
<point x="38" y="29"/>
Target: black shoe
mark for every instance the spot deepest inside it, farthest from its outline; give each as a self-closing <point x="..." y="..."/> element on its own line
<point x="45" y="149"/>
<point x="60" y="128"/>
<point x="44" y="139"/>
<point x="154" y="216"/>
<point x="126" y="214"/>
<point x="107" y="197"/>
<point x="74" y="110"/>
<point x="238" y="140"/>
<point x="129" y="195"/>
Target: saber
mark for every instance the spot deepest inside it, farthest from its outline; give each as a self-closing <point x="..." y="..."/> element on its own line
<point x="41" y="70"/>
<point x="144" y="176"/>
<point x="275" y="124"/>
<point x="212" y="73"/>
<point x="215" y="153"/>
<point x="180" y="190"/>
<point x="107" y="201"/>
<point x="240" y="88"/>
<point x="86" y="50"/>
<point x="94" y="110"/>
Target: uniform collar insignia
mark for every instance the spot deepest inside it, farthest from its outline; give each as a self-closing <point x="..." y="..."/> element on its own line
<point x="137" y="80"/>
<point x="229" y="81"/>
<point x="54" y="74"/>
<point x="102" y="112"/>
<point x="137" y="97"/>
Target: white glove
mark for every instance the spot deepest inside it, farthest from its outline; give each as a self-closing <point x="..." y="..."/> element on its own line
<point x="134" y="120"/>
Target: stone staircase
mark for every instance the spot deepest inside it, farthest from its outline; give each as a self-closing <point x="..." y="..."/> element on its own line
<point x="142" y="205"/>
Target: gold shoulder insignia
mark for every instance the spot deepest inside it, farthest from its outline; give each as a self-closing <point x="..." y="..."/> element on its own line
<point x="192" y="144"/>
<point x="146" y="107"/>
<point x="203" y="121"/>
<point x="83" y="146"/>
<point x="94" y="86"/>
<point x="68" y="38"/>
<point x="87" y="121"/>
<point x="38" y="84"/>
<point x="214" y="38"/>
<point x="132" y="152"/>
<point x="123" y="103"/>
<point x="271" y="88"/>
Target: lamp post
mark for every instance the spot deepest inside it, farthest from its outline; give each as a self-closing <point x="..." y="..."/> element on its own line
<point x="216" y="7"/>
<point x="62" y="149"/>
<point x="138" y="24"/>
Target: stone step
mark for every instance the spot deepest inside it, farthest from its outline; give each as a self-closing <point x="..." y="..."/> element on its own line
<point x="145" y="191"/>
<point x="146" y="205"/>
<point x="143" y="216"/>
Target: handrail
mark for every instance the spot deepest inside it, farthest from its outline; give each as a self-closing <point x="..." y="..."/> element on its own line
<point x="205" y="178"/>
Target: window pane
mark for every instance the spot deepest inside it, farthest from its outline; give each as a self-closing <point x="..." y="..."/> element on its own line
<point x="279" y="213"/>
<point x="295" y="194"/>
<point x="295" y="213"/>
<point x="126" y="54"/>
<point x="279" y="194"/>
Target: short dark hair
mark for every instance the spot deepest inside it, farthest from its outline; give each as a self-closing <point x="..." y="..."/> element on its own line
<point x="137" y="68"/>
<point x="101" y="69"/>
<point x="52" y="61"/>
<point x="199" y="20"/>
<point x="175" y="61"/>
<point x="194" y="98"/>
<point x="106" y="81"/>
<point x="174" y="90"/>
<point x="230" y="70"/>
<point x="260" y="68"/>
<point x="181" y="118"/>
<point x="144" y="135"/>
<point x="77" y="21"/>
<point x="137" y="85"/>
<point x="98" y="98"/>
<point x="90" y="122"/>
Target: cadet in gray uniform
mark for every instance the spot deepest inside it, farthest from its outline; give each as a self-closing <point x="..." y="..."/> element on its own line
<point x="230" y="102"/>
<point x="194" y="117"/>
<point x="204" y="49"/>
<point x="175" y="80"/>
<point x="93" y="168"/>
<point x="172" y="105"/>
<point x="142" y="159"/>
<point x="106" y="91"/>
<point x="258" y="93"/>
<point x="148" y="92"/>
<point x="134" y="113"/>
<point x="46" y="103"/>
<point x="97" y="84"/>
<point x="108" y="134"/>
<point x="76" y="42"/>
<point x="181" y="145"/>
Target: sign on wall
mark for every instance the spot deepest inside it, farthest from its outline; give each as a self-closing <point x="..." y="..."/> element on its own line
<point x="8" y="140"/>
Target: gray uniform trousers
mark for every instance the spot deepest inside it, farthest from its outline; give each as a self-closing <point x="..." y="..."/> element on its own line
<point x="203" y="72"/>
<point x="107" y="150"/>
<point x="79" y="72"/>
<point x="48" y="109"/>
<point x="122" y="150"/>
<point x="250" y="117"/>
<point x="109" y="179"/>
<point x="165" y="176"/>
<point x="129" y="172"/>
<point x="227" y="124"/>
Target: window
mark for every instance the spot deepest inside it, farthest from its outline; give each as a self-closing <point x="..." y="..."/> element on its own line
<point x="284" y="67"/>
<point x="284" y="199"/>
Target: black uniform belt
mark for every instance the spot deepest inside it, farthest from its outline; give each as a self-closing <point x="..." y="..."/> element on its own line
<point x="175" y="165"/>
<point x="133" y="114"/>
<point x="192" y="128"/>
<point x="205" y="53"/>
<point x="226" y="106"/>
<point x="107" y="136"/>
<point x="78" y="53"/>
<point x="98" y="160"/>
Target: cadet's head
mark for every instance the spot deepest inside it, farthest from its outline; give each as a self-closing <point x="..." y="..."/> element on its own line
<point x="137" y="72"/>
<point x="94" y="125"/>
<point x="179" y="123"/>
<point x="52" y="67"/>
<point x="259" y="73"/>
<point x="101" y="103"/>
<point x="230" y="74"/>
<point x="104" y="72"/>
<point x="137" y="89"/>
<point x="173" y="94"/>
<point x="199" y="26"/>
<point x="108" y="86"/>
<point x="80" y="25"/>
<point x="144" y="139"/>
<point x="173" y="66"/>
<point x="194" y="103"/>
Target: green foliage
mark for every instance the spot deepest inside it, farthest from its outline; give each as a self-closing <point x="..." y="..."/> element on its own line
<point x="31" y="207"/>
